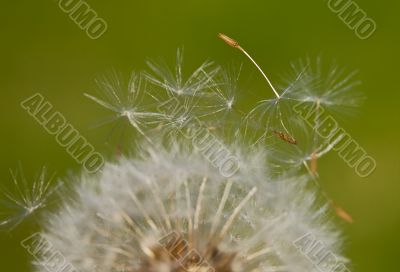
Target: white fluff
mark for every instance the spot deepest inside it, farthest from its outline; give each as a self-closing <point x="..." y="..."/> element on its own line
<point x="118" y="215"/>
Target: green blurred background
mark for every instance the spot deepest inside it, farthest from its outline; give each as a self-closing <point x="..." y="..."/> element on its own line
<point x="42" y="50"/>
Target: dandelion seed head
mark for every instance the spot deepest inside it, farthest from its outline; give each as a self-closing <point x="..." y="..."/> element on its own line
<point x="120" y="218"/>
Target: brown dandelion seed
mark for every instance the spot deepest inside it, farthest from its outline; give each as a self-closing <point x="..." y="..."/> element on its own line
<point x="285" y="137"/>
<point x="229" y="40"/>
<point x="314" y="163"/>
<point x="342" y="213"/>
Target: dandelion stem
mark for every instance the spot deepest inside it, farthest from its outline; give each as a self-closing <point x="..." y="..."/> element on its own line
<point x="235" y="44"/>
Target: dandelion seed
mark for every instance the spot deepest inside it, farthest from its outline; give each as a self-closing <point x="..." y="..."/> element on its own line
<point x="127" y="102"/>
<point x="299" y="148"/>
<point x="343" y="214"/>
<point x="285" y="137"/>
<point x="23" y="199"/>
<point x="175" y="84"/>
<point x="268" y="116"/>
<point x="314" y="163"/>
<point x="330" y="86"/>
<point x="235" y="44"/>
<point x="268" y="112"/>
<point x="221" y="106"/>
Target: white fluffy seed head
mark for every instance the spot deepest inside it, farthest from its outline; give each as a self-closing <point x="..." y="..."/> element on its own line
<point x="120" y="218"/>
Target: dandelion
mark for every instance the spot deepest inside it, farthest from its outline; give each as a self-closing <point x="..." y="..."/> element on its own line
<point x="170" y="210"/>
<point x="23" y="199"/>
<point x="167" y="207"/>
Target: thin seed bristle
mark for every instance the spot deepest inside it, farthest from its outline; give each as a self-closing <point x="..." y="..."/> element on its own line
<point x="235" y="44"/>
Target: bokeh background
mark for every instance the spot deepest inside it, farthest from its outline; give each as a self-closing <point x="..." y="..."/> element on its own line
<point x="43" y="50"/>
